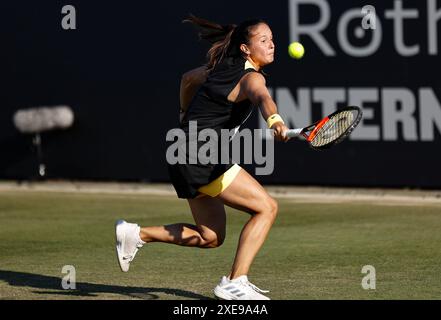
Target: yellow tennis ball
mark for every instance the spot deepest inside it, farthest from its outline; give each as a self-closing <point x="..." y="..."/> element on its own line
<point x="296" y="50"/>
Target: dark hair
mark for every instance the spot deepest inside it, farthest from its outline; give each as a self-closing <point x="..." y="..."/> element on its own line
<point x="225" y="39"/>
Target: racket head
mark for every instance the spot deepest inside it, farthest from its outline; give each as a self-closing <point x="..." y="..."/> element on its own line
<point x="334" y="128"/>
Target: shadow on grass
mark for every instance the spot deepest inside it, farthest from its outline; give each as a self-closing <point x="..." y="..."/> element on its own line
<point x="84" y="289"/>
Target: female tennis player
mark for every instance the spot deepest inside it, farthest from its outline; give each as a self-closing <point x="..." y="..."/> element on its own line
<point x="220" y="95"/>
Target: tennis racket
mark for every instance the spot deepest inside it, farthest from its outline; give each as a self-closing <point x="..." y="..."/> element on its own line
<point x="330" y="130"/>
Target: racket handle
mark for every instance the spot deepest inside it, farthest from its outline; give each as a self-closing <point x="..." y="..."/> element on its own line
<point x="292" y="133"/>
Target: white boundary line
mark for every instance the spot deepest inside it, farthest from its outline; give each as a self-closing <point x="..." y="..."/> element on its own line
<point x="298" y="194"/>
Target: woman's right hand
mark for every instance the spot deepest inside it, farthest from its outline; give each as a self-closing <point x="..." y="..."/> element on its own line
<point x="280" y="131"/>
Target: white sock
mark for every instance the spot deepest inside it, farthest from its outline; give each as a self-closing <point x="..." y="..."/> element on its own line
<point x="138" y="238"/>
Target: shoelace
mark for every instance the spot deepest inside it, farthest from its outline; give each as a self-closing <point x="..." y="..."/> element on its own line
<point x="255" y="288"/>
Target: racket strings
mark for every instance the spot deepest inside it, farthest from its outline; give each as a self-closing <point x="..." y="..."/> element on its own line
<point x="334" y="128"/>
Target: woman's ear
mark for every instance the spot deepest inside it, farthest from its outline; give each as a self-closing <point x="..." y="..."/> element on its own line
<point x="244" y="48"/>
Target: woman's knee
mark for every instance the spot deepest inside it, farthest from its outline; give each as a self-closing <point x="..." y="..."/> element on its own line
<point x="213" y="239"/>
<point x="269" y="208"/>
<point x="274" y="208"/>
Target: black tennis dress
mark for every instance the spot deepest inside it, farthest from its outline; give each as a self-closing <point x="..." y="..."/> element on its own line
<point x="211" y="109"/>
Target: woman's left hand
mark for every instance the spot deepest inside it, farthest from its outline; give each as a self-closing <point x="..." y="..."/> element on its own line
<point x="181" y="115"/>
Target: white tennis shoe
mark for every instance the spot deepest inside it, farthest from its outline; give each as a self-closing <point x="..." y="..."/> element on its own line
<point x="128" y="243"/>
<point x="239" y="289"/>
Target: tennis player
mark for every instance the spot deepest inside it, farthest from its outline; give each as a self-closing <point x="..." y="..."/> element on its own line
<point x="220" y="95"/>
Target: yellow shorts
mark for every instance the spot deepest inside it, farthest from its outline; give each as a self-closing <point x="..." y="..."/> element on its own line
<point x="215" y="187"/>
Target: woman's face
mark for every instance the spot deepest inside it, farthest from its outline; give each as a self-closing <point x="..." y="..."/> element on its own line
<point x="261" y="46"/>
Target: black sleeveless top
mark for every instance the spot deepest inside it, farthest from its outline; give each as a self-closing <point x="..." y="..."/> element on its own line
<point x="210" y="106"/>
<point x="211" y="109"/>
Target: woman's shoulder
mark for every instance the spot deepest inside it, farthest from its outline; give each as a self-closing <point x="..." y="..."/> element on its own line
<point x="233" y="65"/>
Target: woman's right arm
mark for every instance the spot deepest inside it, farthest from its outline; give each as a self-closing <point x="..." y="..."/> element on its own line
<point x="253" y="86"/>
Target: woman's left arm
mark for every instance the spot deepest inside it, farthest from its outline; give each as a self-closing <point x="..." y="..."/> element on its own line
<point x="190" y="83"/>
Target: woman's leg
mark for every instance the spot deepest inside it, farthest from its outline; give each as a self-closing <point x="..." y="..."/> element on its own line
<point x="246" y="194"/>
<point x="209" y="231"/>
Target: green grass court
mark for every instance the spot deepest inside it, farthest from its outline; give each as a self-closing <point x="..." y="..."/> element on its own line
<point x="314" y="251"/>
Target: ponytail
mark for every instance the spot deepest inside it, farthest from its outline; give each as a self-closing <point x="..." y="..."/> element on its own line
<point x="219" y="36"/>
<point x="224" y="39"/>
